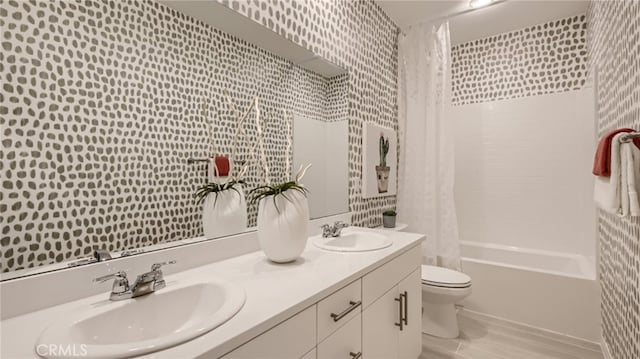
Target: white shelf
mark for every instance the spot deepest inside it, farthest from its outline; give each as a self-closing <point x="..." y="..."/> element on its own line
<point x="398" y="228"/>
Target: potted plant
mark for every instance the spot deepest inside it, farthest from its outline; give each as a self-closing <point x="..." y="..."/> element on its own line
<point x="389" y="219"/>
<point x="382" y="170"/>
<point x="224" y="206"/>
<point x="283" y="219"/>
<point x="283" y="209"/>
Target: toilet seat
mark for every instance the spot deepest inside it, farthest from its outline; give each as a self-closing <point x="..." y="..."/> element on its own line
<point x="443" y="277"/>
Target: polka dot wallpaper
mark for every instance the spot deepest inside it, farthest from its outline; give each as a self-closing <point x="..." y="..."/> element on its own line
<point x="614" y="58"/>
<point x="102" y="104"/>
<point x="358" y="36"/>
<point x="541" y="59"/>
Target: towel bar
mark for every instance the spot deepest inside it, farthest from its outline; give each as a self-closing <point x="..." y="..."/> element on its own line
<point x="194" y="160"/>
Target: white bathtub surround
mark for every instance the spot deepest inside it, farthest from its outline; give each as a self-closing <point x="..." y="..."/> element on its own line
<point x="441" y="289"/>
<point x="425" y="187"/>
<point x="514" y="192"/>
<point x="225" y="213"/>
<point x="523" y="172"/>
<point x="273" y="294"/>
<point x="550" y="290"/>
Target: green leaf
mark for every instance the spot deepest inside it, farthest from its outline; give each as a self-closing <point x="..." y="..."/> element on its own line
<point x="275" y="190"/>
<point x="202" y="192"/>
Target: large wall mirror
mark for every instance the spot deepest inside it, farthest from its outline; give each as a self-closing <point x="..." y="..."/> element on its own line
<point x="325" y="145"/>
<point x="111" y="113"/>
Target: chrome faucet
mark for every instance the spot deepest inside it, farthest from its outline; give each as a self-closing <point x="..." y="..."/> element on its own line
<point x="334" y="230"/>
<point x="146" y="283"/>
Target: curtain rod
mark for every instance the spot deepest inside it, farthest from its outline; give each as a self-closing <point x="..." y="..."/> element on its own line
<point x="455" y="14"/>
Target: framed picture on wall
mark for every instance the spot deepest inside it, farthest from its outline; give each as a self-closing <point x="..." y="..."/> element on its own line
<point x="379" y="161"/>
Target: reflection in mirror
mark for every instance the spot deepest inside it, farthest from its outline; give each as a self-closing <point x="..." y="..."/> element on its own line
<point x="97" y="155"/>
<point x="325" y="145"/>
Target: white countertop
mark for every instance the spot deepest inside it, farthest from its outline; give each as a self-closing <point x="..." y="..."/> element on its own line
<point x="399" y="227"/>
<point x="274" y="292"/>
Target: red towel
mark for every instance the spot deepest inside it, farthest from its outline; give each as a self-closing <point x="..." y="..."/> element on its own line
<point x="602" y="160"/>
<point x="222" y="164"/>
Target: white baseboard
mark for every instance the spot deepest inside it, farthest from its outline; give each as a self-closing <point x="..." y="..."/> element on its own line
<point x="568" y="339"/>
<point x="605" y="349"/>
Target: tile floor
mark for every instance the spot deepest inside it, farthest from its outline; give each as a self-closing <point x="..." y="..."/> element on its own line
<point x="488" y="338"/>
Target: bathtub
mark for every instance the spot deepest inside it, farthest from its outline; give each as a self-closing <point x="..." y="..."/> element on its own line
<point x="553" y="291"/>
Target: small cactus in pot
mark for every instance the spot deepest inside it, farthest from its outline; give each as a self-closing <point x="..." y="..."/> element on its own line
<point x="382" y="170"/>
<point x="384" y="150"/>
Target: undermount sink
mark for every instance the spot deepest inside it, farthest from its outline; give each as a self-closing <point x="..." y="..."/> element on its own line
<point x="170" y="316"/>
<point x="353" y="241"/>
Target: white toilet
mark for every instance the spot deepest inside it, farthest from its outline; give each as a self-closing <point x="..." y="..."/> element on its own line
<point x="441" y="289"/>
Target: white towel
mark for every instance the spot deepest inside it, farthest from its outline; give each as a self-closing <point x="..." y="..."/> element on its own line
<point x="607" y="189"/>
<point x="630" y="179"/>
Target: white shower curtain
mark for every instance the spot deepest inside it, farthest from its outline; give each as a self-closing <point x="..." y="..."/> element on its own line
<point x="425" y="187"/>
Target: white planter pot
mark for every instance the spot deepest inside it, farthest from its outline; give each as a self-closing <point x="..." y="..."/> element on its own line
<point x="225" y="216"/>
<point x="283" y="232"/>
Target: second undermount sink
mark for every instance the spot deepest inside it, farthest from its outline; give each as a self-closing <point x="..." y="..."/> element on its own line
<point x="352" y="240"/>
<point x="170" y="316"/>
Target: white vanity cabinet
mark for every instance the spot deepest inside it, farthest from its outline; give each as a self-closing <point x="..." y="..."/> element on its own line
<point x="340" y="323"/>
<point x="392" y="317"/>
<point x="376" y="316"/>
<point x="291" y="339"/>
<point x="410" y="337"/>
<point x="339" y="308"/>
<point x="345" y="343"/>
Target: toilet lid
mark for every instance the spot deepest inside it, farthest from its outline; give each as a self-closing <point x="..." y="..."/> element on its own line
<point x="443" y="277"/>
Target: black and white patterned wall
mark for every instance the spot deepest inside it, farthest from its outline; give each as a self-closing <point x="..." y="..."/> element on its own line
<point x="541" y="59"/>
<point x="358" y="36"/>
<point x="614" y="57"/>
<point x="102" y="103"/>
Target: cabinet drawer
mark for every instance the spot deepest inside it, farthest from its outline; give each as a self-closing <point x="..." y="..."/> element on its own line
<point x="379" y="281"/>
<point x="339" y="308"/>
<point x="291" y="339"/>
<point x="345" y="343"/>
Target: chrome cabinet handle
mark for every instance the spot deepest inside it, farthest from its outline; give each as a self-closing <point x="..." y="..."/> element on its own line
<point x="357" y="355"/>
<point x="405" y="306"/>
<point x="353" y="305"/>
<point x="400" y="311"/>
